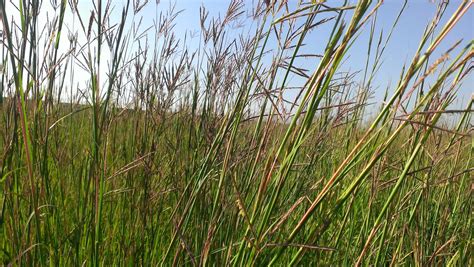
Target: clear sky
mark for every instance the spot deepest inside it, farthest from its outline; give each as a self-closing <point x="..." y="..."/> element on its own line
<point x="399" y="51"/>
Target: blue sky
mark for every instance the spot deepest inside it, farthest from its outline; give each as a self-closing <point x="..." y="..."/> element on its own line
<point x="399" y="51"/>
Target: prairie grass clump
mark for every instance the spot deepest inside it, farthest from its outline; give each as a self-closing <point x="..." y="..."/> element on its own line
<point x="123" y="143"/>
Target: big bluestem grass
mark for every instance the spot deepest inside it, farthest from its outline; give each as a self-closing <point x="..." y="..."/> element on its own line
<point x="123" y="144"/>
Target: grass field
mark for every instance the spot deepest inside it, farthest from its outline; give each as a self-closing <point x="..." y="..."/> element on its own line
<point x="119" y="151"/>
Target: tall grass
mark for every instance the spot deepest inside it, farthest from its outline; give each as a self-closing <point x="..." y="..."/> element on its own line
<point x="123" y="145"/>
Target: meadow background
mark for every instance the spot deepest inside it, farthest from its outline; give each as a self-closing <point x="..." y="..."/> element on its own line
<point x="326" y="133"/>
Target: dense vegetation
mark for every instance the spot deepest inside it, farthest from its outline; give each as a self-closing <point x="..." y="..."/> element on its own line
<point x="118" y="149"/>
